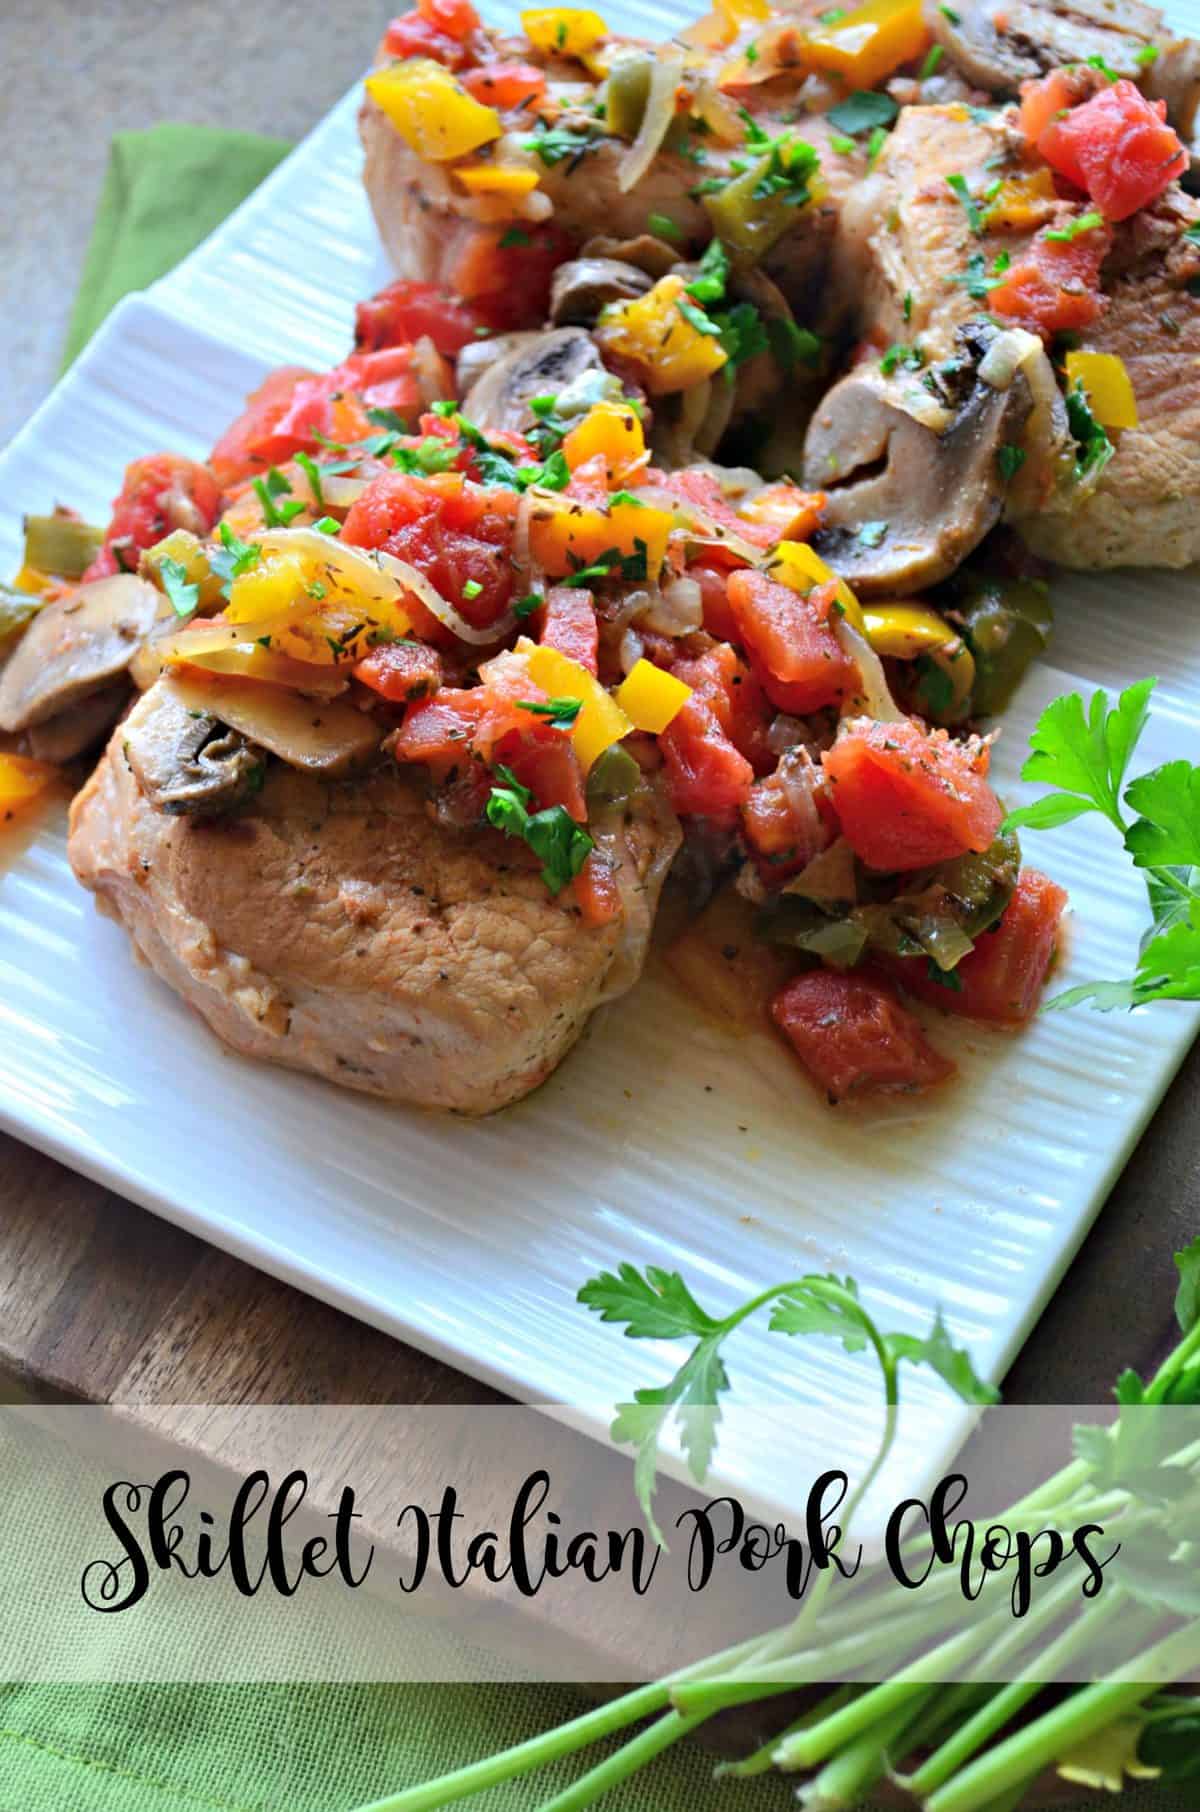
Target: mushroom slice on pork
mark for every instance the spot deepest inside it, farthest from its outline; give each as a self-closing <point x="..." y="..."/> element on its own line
<point x="910" y="467"/>
<point x="581" y="287"/>
<point x="75" y="646"/>
<point x="80" y="727"/>
<point x="542" y="364"/>
<point x="1039" y="35"/>
<point x="186" y="761"/>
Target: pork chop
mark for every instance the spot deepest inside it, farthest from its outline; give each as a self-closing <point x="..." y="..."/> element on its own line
<point x="334" y="928"/>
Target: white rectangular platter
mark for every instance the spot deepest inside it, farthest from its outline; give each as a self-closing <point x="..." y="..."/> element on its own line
<point x="661" y="1140"/>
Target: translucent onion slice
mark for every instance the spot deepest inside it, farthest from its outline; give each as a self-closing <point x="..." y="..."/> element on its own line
<point x="699" y="525"/>
<point x="656" y="120"/>
<point x="876" y="694"/>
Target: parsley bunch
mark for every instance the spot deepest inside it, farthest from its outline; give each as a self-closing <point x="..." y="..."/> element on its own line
<point x="1085" y="756"/>
<point x="561" y="845"/>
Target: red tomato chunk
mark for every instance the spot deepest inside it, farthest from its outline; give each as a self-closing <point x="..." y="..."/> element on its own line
<point x="708" y="777"/>
<point x="854" y="1036"/>
<point x="1055" y="285"/>
<point x="1003" y="977"/>
<point x="569" y="624"/>
<point x="160" y="493"/>
<point x="736" y="699"/>
<point x="797" y="656"/>
<point x="1118" y="147"/>
<point x="906" y="798"/>
<point x="407" y="311"/>
<point x="401" y="671"/>
<point x="457" y="534"/>
<point x="505" y="85"/>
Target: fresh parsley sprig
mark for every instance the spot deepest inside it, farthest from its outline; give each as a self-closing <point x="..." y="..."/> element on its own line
<point x="658" y="1305"/>
<point x="561" y="845"/>
<point x="1084" y="755"/>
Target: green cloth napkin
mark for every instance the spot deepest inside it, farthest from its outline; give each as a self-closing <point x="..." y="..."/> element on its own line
<point x="164" y="191"/>
<point x="253" y="1748"/>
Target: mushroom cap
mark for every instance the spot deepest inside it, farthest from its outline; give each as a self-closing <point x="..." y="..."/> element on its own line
<point x="74" y="646"/>
<point x="1039" y="35"/>
<point x="541" y="365"/>
<point x="581" y="287"/>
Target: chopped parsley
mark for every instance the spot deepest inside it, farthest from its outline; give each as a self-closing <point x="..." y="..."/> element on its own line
<point x="875" y="144"/>
<point x="752" y="53"/>
<point x="561" y="845"/>
<point x="932" y="59"/>
<point x="612" y="560"/>
<point x="514" y="236"/>
<point x="663" y="227"/>
<point x="976" y="280"/>
<point x="1106" y="69"/>
<point x="556" y="144"/>
<point x="708" y="285"/>
<point x="793" y="345"/>
<point x="431" y="454"/>
<point x="908" y="305"/>
<point x="525" y="607"/>
<point x="184" y="597"/>
<point x="312" y="472"/>
<point x="471" y="588"/>
<point x="233" y="558"/>
<point x="898" y="354"/>
<point x="872" y="533"/>
<point x="957" y="184"/>
<point x="787" y="163"/>
<point x="328" y="525"/>
<point x="843" y="146"/>
<point x="1009" y="460"/>
<point x="388" y="418"/>
<point x="742" y="334"/>
<point x="561" y="712"/>
<point x="831" y="15"/>
<point x="1146" y="55"/>
<point x="948" y="12"/>
<point x="276" y="515"/>
<point x="1083" y="223"/>
<point x="862" y="111"/>
<point x="1093" y="447"/>
<point x="696" y="317"/>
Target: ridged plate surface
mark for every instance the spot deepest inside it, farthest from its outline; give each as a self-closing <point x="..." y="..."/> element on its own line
<point x="661" y="1140"/>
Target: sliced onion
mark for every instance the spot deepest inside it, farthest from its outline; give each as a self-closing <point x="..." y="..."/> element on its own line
<point x="431" y="371"/>
<point x="630" y="650"/>
<point x="876" y="694"/>
<point x="340" y="490"/>
<point x="699" y="525"/>
<point x="784" y="732"/>
<point x="414" y="582"/>
<point x="614" y="835"/>
<point x="718" y="114"/>
<point x="675" y="610"/>
<point x="656" y="120"/>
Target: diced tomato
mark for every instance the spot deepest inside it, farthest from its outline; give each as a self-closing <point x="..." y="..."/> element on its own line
<point x="505" y="85"/>
<point x="907" y="798"/>
<point x="160" y="493"/>
<point x="788" y="818"/>
<point x="544" y="760"/>
<point x="1118" y="147"/>
<point x="401" y="671"/>
<point x="1054" y="287"/>
<point x="457" y="18"/>
<point x="802" y="664"/>
<point x="1002" y="978"/>
<point x="236" y="454"/>
<point x="569" y="624"/>
<point x="438" y="730"/>
<point x="735" y="697"/>
<point x="782" y="512"/>
<point x="1044" y="100"/>
<point x="719" y="619"/>
<point x="457" y="534"/>
<point x="412" y="36"/>
<point x="708" y="776"/>
<point x="406" y="311"/>
<point x="596" y="891"/>
<point x="292" y="407"/>
<point x="853" y="1035"/>
<point x="384" y="379"/>
<point x="505" y="273"/>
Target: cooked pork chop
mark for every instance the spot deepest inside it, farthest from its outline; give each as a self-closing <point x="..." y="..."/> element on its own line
<point x="335" y="929"/>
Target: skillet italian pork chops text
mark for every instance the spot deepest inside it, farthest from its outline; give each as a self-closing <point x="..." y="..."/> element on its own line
<point x="336" y="929"/>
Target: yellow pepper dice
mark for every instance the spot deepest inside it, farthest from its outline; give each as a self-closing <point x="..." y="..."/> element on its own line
<point x="651" y="698"/>
<point x="430" y="110"/>
<point x="564" y="538"/>
<point x="1105" y="382"/>
<point x="496" y="179"/>
<point x="601" y="721"/>
<point x="273" y="591"/>
<point x="656" y="333"/>
<point x="905" y="632"/>
<point x="32" y="582"/>
<point x="794" y="563"/>
<point x="570" y="30"/>
<point x="611" y="429"/>
<point x="22" y="780"/>
<point x="869" y="43"/>
<point x="1022" y="200"/>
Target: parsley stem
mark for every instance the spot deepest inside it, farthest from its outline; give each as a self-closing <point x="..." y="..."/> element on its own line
<point x="627" y="1760"/>
<point x="862" y="1763"/>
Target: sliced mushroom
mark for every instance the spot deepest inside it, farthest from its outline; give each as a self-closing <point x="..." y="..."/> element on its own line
<point x="909" y="498"/>
<point x="80" y="726"/>
<point x="543" y="366"/>
<point x="327" y="737"/>
<point x="185" y="760"/>
<point x="478" y="356"/>
<point x="646" y="252"/>
<point x="74" y="646"/>
<point x="1040" y="35"/>
<point x="583" y="286"/>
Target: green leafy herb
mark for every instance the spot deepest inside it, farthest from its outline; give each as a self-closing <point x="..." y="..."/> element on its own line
<point x="664" y="227"/>
<point x="862" y="111"/>
<point x="1106" y="69"/>
<point x="976" y="279"/>
<point x="831" y="15"/>
<point x="184" y="597"/>
<point x="697" y="318"/>
<point x="908" y="304"/>
<point x="560" y="844"/>
<point x="312" y="472"/>
<point x="556" y="144"/>
<point x="431" y="454"/>
<point x="657" y="1305"/>
<point x="742" y="334"/>
<point x="910" y="357"/>
<point x="525" y="607"/>
<point x="471" y="588"/>
<point x="388" y="418"/>
<point x="843" y="146"/>
<point x="1083" y="223"/>
<point x="708" y="285"/>
<point x="514" y="236"/>
<point x="1146" y="55"/>
<point x="793" y="345"/>
<point x="1093" y="447"/>
<point x="233" y="558"/>
<point x="932" y="60"/>
<point x="327" y="525"/>
<point x="561" y="712"/>
<point x="1009" y="460"/>
<point x="948" y="12"/>
<point x="875" y="144"/>
<point x="957" y="184"/>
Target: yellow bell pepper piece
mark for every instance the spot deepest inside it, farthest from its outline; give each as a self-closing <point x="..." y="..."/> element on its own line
<point x="613" y="429"/>
<point x="794" y="563"/>
<point x="904" y="632"/>
<point x="1022" y="200"/>
<point x="656" y="333"/>
<point x="650" y="697"/>
<point x="1105" y="382"/>
<point x="569" y="30"/>
<point x="274" y="591"/>
<point x="869" y="43"/>
<point x="601" y="721"/>
<point x="30" y="580"/>
<point x="496" y="179"/>
<point x="571" y="535"/>
<point x="21" y="781"/>
<point x="431" y="111"/>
